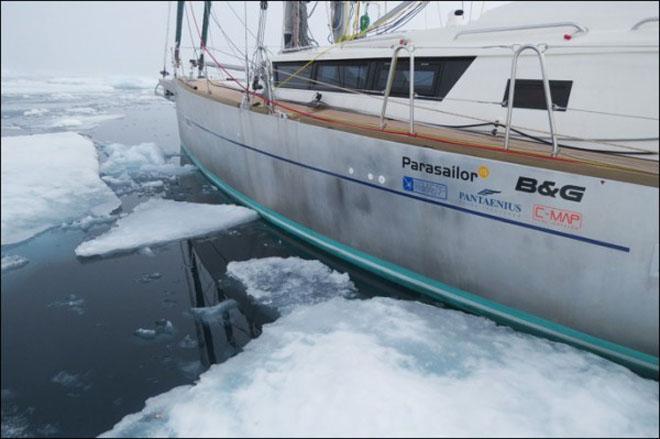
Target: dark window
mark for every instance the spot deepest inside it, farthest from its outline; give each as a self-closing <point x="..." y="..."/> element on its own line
<point x="328" y="73"/>
<point x="529" y="94"/>
<point x="347" y="74"/>
<point x="355" y="76"/>
<point x="434" y="77"/>
<point x="452" y="70"/>
<point x="426" y="74"/>
<point x="284" y="72"/>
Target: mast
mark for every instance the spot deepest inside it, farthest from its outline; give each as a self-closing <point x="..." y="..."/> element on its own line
<point x="205" y="31"/>
<point x="295" y="25"/>
<point x="177" y="38"/>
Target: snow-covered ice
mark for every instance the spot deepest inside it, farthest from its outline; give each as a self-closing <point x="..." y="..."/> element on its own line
<point x="162" y="327"/>
<point x="144" y="161"/>
<point x="30" y="86"/>
<point x="157" y="221"/>
<point x="81" y="110"/>
<point x="83" y="122"/>
<point x="13" y="262"/>
<point x="35" y="112"/>
<point x="48" y="179"/>
<point x="384" y="367"/>
<point x="287" y="282"/>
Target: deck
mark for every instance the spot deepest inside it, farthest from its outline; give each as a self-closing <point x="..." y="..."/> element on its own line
<point x="595" y="164"/>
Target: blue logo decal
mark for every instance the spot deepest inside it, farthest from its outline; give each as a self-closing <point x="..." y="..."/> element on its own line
<point x="425" y="187"/>
<point x="489" y="192"/>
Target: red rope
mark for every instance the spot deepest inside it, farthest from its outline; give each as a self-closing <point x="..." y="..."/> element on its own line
<point x="381" y="130"/>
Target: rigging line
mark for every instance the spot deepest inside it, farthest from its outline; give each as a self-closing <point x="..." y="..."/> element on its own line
<point x="233" y="46"/>
<point x="313" y="9"/>
<point x="192" y="40"/>
<point x="228" y="3"/>
<point x="247" y="63"/>
<point x="167" y="34"/>
<point x="436" y="110"/>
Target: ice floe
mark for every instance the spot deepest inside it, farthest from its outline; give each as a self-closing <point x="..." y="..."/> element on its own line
<point x="158" y="221"/>
<point x="83" y="122"/>
<point x="287" y="282"/>
<point x="81" y="110"/>
<point x="29" y="86"/>
<point x="48" y="179"/>
<point x="145" y="161"/>
<point x="384" y="367"/>
<point x="35" y="112"/>
<point x="72" y="303"/>
<point x="162" y="327"/>
<point x="13" y="262"/>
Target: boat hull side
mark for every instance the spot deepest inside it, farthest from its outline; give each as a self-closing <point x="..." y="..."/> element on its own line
<point x="316" y="183"/>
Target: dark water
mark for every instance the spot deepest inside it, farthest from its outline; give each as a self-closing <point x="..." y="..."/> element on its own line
<point x="71" y="362"/>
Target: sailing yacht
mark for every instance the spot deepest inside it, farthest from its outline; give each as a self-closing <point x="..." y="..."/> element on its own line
<point x="507" y="167"/>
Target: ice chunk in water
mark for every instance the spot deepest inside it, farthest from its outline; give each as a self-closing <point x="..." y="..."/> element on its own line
<point x="13" y="262"/>
<point x="157" y="221"/>
<point x="383" y="367"/>
<point x="143" y="161"/>
<point x="212" y="313"/>
<point x="162" y="327"/>
<point x="48" y="179"/>
<point x="35" y="112"/>
<point x="287" y="282"/>
<point x="72" y="303"/>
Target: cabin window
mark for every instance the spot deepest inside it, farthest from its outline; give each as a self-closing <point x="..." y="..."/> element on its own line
<point x="355" y="76"/>
<point x="426" y="74"/>
<point x="434" y="77"/>
<point x="530" y="94"/>
<point x="346" y="74"/>
<point x="452" y="70"/>
<point x="328" y="73"/>
<point x="284" y="72"/>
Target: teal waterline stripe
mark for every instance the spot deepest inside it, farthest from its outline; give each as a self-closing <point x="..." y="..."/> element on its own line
<point x="641" y="362"/>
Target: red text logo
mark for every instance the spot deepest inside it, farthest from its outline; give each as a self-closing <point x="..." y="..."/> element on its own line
<point x="557" y="217"/>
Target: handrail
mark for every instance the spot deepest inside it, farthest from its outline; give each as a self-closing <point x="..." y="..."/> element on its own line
<point x="578" y="28"/>
<point x="411" y="80"/>
<point x="546" y="89"/>
<point x="644" y="21"/>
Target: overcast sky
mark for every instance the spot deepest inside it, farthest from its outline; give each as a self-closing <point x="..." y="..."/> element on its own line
<point x="128" y="38"/>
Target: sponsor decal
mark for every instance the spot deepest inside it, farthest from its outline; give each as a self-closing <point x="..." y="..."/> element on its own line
<point x="490" y="200"/>
<point x="550" y="189"/>
<point x="455" y="172"/>
<point x="557" y="217"/>
<point x="424" y="187"/>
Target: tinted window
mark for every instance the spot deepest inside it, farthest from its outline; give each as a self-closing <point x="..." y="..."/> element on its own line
<point x="328" y="74"/>
<point x="425" y="78"/>
<point x="530" y="94"/>
<point x="355" y="76"/>
<point x="434" y="77"/>
<point x="284" y="72"/>
<point x="452" y="70"/>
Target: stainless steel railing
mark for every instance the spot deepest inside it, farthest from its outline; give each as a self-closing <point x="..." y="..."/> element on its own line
<point x="546" y="88"/>
<point x="411" y="80"/>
